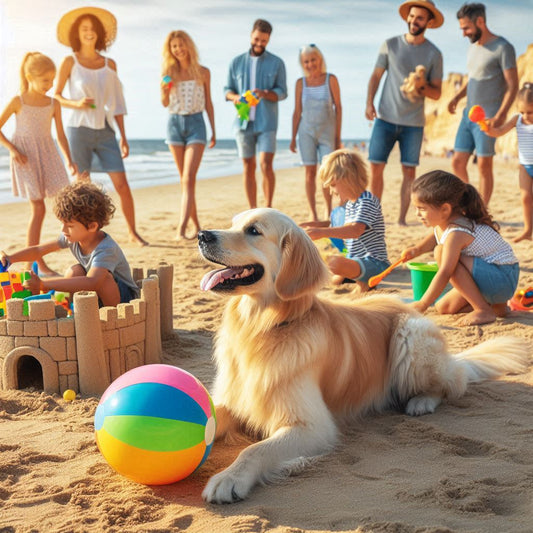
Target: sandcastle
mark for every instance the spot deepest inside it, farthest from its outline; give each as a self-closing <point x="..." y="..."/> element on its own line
<point x="88" y="351"/>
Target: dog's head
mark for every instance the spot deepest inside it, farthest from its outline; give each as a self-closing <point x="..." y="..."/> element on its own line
<point x="263" y="253"/>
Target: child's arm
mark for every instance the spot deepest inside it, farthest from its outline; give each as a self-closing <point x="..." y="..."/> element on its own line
<point x="91" y="282"/>
<point x="11" y="108"/>
<point x="353" y="230"/>
<point x="32" y="253"/>
<point x="62" y="138"/>
<point x="316" y="224"/>
<point x="503" y="129"/>
<point x="427" y="244"/>
<point x="451" y="252"/>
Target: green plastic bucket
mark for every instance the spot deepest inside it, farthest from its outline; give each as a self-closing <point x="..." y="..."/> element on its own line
<point x="421" y="276"/>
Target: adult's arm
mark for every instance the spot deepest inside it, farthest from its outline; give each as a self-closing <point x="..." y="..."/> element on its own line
<point x="461" y="93"/>
<point x="373" y="85"/>
<point x="297" y="115"/>
<point x="62" y="77"/>
<point x="511" y="81"/>
<point x="209" y="106"/>
<point x="336" y="95"/>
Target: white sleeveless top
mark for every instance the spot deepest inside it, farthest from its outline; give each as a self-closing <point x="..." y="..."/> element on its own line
<point x="186" y="98"/>
<point x="524" y="133"/>
<point x="488" y="244"/>
<point x="103" y="85"/>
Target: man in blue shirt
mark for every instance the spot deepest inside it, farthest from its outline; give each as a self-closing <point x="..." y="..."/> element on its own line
<point x="263" y="73"/>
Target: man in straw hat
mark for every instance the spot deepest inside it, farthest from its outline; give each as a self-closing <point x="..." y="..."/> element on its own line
<point x="96" y="101"/>
<point x="400" y="117"/>
<point x="492" y="83"/>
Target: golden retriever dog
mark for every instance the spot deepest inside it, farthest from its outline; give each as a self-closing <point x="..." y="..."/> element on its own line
<point x="289" y="363"/>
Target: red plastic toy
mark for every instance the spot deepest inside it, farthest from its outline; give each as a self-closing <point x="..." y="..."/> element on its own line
<point x="477" y="115"/>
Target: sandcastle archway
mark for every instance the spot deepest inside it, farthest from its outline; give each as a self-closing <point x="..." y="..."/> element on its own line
<point x="21" y="359"/>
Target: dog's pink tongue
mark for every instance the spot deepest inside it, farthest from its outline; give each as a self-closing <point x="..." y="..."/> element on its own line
<point x="213" y="278"/>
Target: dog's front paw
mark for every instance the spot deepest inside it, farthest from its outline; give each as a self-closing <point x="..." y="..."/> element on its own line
<point x="227" y="487"/>
<point x="421" y="405"/>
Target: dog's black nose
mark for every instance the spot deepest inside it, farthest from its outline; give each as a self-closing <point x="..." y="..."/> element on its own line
<point x="205" y="236"/>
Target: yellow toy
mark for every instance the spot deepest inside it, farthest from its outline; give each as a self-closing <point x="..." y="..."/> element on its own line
<point x="413" y="83"/>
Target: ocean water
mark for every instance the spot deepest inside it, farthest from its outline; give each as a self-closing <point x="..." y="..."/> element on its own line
<point x="150" y="163"/>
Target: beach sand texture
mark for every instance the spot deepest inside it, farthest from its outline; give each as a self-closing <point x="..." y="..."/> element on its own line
<point x="468" y="467"/>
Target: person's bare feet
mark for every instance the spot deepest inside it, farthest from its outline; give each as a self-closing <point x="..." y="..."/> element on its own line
<point x="136" y="238"/>
<point x="476" y="318"/>
<point x="525" y="236"/>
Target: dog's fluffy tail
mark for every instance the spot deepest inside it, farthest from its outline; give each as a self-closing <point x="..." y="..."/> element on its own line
<point x="494" y="357"/>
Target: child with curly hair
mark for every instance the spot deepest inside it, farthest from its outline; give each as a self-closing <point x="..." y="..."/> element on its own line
<point x="84" y="209"/>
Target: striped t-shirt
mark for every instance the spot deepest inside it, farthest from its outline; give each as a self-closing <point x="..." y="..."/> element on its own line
<point x="524" y="133"/>
<point x="366" y="210"/>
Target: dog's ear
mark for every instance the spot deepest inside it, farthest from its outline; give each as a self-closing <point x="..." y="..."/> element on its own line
<point x="302" y="269"/>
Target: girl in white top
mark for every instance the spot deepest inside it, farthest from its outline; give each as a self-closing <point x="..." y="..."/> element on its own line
<point x="96" y="101"/>
<point x="523" y="122"/>
<point x="471" y="254"/>
<point x="36" y="167"/>
<point x="186" y="96"/>
<point x="317" y="120"/>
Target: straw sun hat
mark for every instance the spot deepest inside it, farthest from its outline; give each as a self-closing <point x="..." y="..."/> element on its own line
<point x="107" y="19"/>
<point x="438" y="19"/>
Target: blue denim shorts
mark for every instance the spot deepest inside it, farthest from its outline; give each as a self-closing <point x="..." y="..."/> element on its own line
<point x="95" y="150"/>
<point x="384" y="136"/>
<point x="497" y="283"/>
<point x="186" y="129"/>
<point x="469" y="138"/>
<point x="529" y="170"/>
<point x="370" y="266"/>
<point x="313" y="149"/>
<point x="248" y="141"/>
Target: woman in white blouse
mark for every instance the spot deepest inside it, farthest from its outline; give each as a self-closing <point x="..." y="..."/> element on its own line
<point x="186" y="92"/>
<point x="96" y="101"/>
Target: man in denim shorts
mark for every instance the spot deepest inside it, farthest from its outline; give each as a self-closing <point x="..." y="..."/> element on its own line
<point x="263" y="73"/>
<point x="492" y="83"/>
<point x="400" y="117"/>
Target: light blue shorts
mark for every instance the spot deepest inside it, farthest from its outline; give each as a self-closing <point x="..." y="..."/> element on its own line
<point x="384" y="136"/>
<point x="497" y="283"/>
<point x="248" y="141"/>
<point x="469" y="138"/>
<point x="529" y="170"/>
<point x="95" y="150"/>
<point x="370" y="266"/>
<point x="313" y="149"/>
<point x="186" y="129"/>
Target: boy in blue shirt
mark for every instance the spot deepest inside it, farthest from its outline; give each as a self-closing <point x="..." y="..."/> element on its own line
<point x="83" y="208"/>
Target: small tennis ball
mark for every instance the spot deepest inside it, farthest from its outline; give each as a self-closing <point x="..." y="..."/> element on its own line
<point x="69" y="395"/>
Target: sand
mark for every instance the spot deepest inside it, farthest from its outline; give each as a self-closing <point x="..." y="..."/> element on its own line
<point x="468" y="467"/>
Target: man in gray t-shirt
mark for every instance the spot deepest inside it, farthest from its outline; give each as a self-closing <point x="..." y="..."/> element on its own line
<point x="492" y="83"/>
<point x="400" y="116"/>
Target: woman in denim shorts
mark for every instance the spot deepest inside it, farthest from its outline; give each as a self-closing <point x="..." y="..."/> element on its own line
<point x="186" y="92"/>
<point x="96" y="101"/>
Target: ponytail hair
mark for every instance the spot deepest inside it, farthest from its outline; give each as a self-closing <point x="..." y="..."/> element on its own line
<point x="439" y="187"/>
<point x="34" y="64"/>
<point x="525" y="94"/>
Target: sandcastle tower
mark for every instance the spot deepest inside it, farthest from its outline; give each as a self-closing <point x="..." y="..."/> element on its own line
<point x="88" y="351"/>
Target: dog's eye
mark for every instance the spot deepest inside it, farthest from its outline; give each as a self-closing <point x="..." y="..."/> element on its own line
<point x="252" y="230"/>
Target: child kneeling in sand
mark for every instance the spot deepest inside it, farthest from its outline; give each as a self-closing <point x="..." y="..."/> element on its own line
<point x="345" y="173"/>
<point x="83" y="208"/>
<point x="469" y="250"/>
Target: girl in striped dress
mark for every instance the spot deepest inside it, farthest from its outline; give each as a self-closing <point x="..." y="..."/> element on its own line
<point x="37" y="171"/>
<point x="345" y="174"/>
<point x="523" y="122"/>
<point x="470" y="252"/>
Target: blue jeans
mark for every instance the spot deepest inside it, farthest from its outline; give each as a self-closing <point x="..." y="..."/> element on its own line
<point x="186" y="129"/>
<point x="497" y="283"/>
<point x="385" y="135"/>
<point x="469" y="138"/>
<point x="248" y="140"/>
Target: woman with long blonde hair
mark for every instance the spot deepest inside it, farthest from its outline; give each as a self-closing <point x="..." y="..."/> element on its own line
<point x="186" y="92"/>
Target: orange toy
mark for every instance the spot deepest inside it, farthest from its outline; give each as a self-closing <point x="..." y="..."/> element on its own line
<point x="522" y="300"/>
<point x="477" y="115"/>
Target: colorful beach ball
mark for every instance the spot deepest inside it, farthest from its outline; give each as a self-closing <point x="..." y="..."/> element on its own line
<point x="155" y="424"/>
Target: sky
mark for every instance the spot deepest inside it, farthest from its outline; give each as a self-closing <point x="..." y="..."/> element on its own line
<point x="349" y="33"/>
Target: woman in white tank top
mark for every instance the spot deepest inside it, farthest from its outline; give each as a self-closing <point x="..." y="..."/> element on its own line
<point x="96" y="101"/>
<point x="186" y="92"/>
<point x="316" y="120"/>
